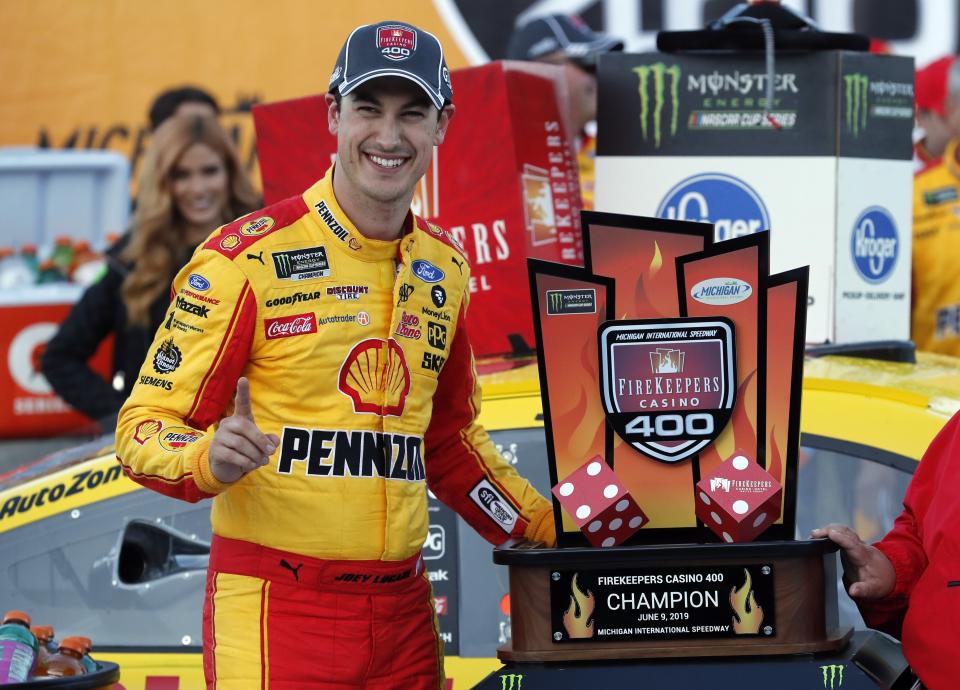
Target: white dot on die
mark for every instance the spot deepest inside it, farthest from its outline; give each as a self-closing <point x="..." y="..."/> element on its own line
<point x="593" y="469"/>
<point x="611" y="490"/>
<point x="566" y="489"/>
<point x="716" y="518"/>
<point x="704" y="498"/>
<point x="615" y="523"/>
<point x="635" y="521"/>
<point x="583" y="512"/>
<point x="740" y="463"/>
<point x="609" y="541"/>
<point x="622" y="505"/>
<point x="594" y="526"/>
<point x="760" y="518"/>
<point x="727" y="538"/>
<point x="740" y="507"/>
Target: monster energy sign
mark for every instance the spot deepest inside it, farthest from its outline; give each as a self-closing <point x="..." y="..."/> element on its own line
<point x="571" y="302"/>
<point x="832" y="676"/>
<point x="511" y="681"/>
<point x="856" y="88"/>
<point x="653" y="89"/>
<point x="301" y="264"/>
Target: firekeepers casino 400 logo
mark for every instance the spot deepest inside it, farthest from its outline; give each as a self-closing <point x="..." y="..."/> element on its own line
<point x="668" y="386"/>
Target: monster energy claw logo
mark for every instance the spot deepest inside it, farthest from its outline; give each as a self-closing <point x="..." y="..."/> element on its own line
<point x="659" y="71"/>
<point x="832" y="676"/>
<point x="511" y="681"/>
<point x="855" y="98"/>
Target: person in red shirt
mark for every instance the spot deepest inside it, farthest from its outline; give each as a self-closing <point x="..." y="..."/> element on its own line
<point x="908" y="583"/>
<point x="931" y="104"/>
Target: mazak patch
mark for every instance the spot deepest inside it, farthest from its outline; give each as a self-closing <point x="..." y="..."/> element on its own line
<point x="668" y="387"/>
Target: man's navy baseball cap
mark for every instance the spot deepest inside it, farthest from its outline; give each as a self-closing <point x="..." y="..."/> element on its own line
<point x="393" y="49"/>
<point x="563" y="33"/>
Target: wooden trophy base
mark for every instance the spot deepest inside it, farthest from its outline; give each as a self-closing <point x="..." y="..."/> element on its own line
<point x="804" y="592"/>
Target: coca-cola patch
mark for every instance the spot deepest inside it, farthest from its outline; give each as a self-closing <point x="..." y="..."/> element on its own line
<point x="289" y="326"/>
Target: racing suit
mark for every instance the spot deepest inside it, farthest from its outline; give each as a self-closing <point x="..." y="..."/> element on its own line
<point x="924" y="548"/>
<point x="936" y="246"/>
<point x="358" y="358"/>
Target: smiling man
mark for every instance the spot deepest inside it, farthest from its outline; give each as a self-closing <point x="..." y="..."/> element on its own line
<point x="319" y="377"/>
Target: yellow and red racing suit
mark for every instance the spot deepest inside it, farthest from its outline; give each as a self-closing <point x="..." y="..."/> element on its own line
<point x="936" y="245"/>
<point x="358" y="358"/>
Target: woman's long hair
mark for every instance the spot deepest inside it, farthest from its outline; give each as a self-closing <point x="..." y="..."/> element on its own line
<point x="157" y="244"/>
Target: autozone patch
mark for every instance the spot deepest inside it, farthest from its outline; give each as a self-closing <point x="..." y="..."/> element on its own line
<point x="489" y="499"/>
<point x="301" y="264"/>
<point x="668" y="387"/>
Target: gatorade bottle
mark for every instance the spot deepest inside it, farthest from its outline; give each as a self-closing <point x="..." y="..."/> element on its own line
<point x="68" y="661"/>
<point x="88" y="663"/>
<point x="18" y="648"/>
<point x="28" y="253"/>
<point x="49" y="273"/>
<point x="46" y="647"/>
<point x="62" y="255"/>
<point x="88" y="265"/>
<point x="14" y="271"/>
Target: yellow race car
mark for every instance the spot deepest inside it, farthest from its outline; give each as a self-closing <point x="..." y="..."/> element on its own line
<point x="88" y="551"/>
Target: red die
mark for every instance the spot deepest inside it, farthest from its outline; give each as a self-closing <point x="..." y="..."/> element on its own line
<point x="740" y="500"/>
<point x="599" y="504"/>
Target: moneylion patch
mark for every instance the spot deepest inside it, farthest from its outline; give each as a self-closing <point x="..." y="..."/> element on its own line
<point x="668" y="387"/>
<point x="935" y="197"/>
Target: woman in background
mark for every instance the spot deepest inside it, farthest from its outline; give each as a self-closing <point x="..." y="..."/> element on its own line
<point x="190" y="184"/>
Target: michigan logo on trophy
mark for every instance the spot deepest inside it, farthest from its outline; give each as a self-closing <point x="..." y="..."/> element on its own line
<point x="668" y="387"/>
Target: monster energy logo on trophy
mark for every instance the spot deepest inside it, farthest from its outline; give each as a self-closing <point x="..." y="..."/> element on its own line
<point x="511" y="681"/>
<point x="660" y="73"/>
<point x="832" y="676"/>
<point x="856" y="87"/>
<point x="571" y="302"/>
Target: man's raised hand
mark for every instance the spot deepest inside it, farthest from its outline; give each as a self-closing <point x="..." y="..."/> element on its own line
<point x="238" y="446"/>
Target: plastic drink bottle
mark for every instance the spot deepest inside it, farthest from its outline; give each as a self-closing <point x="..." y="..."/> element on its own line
<point x="88" y="265"/>
<point x="88" y="663"/>
<point x="45" y="647"/>
<point x="14" y="270"/>
<point x="29" y="254"/>
<point x="68" y="661"/>
<point x="18" y="648"/>
<point x="62" y="255"/>
<point x="49" y="273"/>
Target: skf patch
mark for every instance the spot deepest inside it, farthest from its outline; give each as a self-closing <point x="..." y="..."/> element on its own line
<point x="167" y="357"/>
<point x="432" y="362"/>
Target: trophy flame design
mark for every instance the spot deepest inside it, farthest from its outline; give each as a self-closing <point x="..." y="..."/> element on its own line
<point x="747" y="615"/>
<point x="577" y="619"/>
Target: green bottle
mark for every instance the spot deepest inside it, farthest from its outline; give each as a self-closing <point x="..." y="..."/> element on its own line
<point x="18" y="648"/>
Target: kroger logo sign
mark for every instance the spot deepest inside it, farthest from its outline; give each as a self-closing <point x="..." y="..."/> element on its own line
<point x="730" y="204"/>
<point x="874" y="244"/>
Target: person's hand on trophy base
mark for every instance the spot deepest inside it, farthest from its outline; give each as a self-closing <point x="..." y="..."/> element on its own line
<point x="867" y="571"/>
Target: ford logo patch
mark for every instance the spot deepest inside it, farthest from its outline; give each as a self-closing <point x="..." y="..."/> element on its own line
<point x="198" y="282"/>
<point x="427" y="272"/>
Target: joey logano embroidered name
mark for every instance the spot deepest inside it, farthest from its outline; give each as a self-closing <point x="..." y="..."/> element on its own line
<point x="339" y="453"/>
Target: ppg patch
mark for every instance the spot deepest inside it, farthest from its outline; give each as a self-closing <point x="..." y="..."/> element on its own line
<point x="302" y="264"/>
<point x="668" y="387"/>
